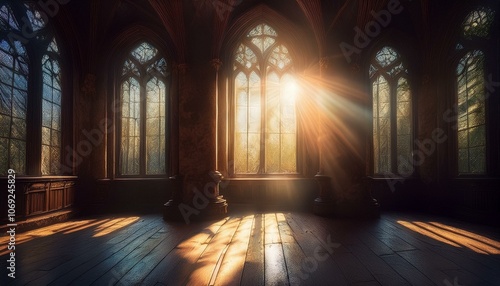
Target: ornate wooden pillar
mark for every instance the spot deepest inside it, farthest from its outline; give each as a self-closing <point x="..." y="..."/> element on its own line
<point x="323" y="204"/>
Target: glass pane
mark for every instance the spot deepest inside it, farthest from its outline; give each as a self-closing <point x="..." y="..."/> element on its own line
<point x="273" y="153"/>
<point x="463" y="160"/>
<point x="4" y="154"/>
<point x="245" y="58"/>
<point x="280" y="58"/>
<point x="17" y="153"/>
<point x="155" y="127"/>
<point x="463" y="139"/>
<point x="478" y="23"/>
<point x="263" y="42"/>
<point x="247" y="123"/>
<point x="144" y="53"/>
<point x="45" y="159"/>
<point x="130" y="68"/>
<point x="381" y="125"/>
<point x="240" y="153"/>
<point x="262" y="29"/>
<point x="288" y="153"/>
<point x="18" y="129"/>
<point x="13" y="99"/>
<point x="471" y="114"/>
<point x="262" y="36"/>
<point x="477" y="160"/>
<point x="404" y="127"/>
<point x="253" y="153"/>
<point x="4" y="126"/>
<point x="7" y="19"/>
<point x="389" y="61"/>
<point x="254" y="108"/>
<point x="130" y="127"/>
<point x="273" y="114"/>
<point x="280" y="124"/>
<point x="35" y="17"/>
<point x="51" y="114"/>
<point x="386" y="56"/>
<point x="477" y="136"/>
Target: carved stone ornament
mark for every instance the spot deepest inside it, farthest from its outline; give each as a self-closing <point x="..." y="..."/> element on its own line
<point x="216" y="64"/>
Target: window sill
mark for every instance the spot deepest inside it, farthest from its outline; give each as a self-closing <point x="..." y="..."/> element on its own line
<point x="130" y="179"/>
<point x="392" y="177"/>
<point x="29" y="179"/>
<point x="267" y="178"/>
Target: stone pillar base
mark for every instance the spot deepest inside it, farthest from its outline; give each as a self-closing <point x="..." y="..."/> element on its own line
<point x="215" y="208"/>
<point x="373" y="208"/>
<point x="171" y="208"/>
<point x="371" y="204"/>
<point x="323" y="205"/>
<point x="197" y="199"/>
<point x="171" y="211"/>
<point x="217" y="205"/>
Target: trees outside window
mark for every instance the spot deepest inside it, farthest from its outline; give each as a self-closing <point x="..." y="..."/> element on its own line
<point x="264" y="134"/>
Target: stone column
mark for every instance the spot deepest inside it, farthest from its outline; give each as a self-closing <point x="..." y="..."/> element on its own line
<point x="171" y="210"/>
<point x="217" y="205"/>
<point x="323" y="204"/>
<point x="196" y="191"/>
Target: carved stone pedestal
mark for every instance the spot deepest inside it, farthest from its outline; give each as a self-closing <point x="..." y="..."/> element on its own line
<point x="358" y="202"/>
<point x="217" y="205"/>
<point x="196" y="198"/>
<point x="323" y="205"/>
<point x="371" y="204"/>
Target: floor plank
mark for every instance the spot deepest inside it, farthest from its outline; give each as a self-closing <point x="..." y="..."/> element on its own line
<point x="205" y="268"/>
<point x="231" y="268"/>
<point x="271" y="248"/>
<point x="253" y="270"/>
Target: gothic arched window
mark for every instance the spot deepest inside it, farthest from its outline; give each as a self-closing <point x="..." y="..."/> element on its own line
<point x="29" y="55"/>
<point x="471" y="91"/>
<point x="51" y="111"/>
<point x="392" y="114"/>
<point x="265" y="125"/>
<point x="143" y="93"/>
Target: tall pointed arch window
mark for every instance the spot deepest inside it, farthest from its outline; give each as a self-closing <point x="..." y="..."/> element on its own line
<point x="392" y="114"/>
<point x="51" y="111"/>
<point x="143" y="92"/>
<point x="25" y="62"/>
<point x="471" y="91"/>
<point x="265" y="125"/>
<point x="14" y="72"/>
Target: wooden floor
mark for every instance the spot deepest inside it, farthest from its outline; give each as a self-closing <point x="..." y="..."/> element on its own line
<point x="257" y="249"/>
